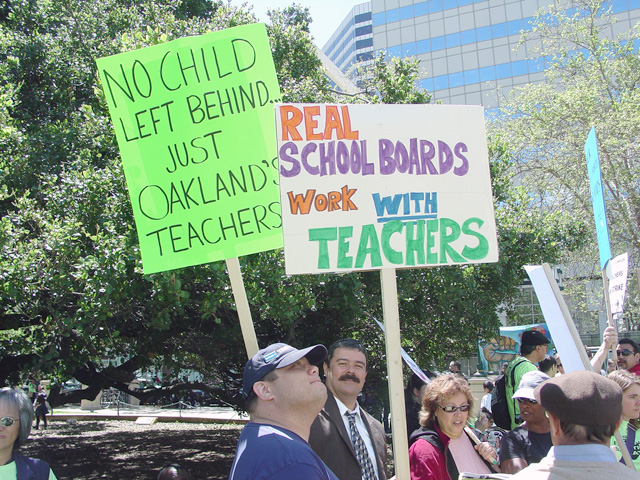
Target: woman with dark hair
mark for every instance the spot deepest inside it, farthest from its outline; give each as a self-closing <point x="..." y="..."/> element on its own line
<point x="444" y="446"/>
<point x="16" y="417"/>
<point x="630" y="385"/>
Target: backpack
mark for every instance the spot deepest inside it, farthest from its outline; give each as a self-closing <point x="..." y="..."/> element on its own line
<point x="499" y="400"/>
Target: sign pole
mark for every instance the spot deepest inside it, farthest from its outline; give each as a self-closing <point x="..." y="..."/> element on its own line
<point x="394" y="371"/>
<point x="242" y="305"/>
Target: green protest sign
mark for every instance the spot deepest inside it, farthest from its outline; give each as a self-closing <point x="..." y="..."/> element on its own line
<point x="194" y="122"/>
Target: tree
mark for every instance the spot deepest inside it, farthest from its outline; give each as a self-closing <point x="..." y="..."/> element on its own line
<point x="74" y="301"/>
<point x="592" y="80"/>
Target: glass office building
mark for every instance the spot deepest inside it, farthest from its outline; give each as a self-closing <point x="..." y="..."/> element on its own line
<point x="466" y="47"/>
<point x="352" y="42"/>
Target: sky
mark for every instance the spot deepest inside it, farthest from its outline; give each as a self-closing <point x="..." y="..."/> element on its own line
<point x="326" y="14"/>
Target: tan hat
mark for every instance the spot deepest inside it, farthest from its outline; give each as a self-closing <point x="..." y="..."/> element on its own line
<point x="582" y="398"/>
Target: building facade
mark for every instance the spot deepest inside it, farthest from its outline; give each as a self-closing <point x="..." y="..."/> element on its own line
<point x="352" y="42"/>
<point x="466" y="48"/>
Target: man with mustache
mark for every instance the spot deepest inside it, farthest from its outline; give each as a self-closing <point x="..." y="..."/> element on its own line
<point x="349" y="440"/>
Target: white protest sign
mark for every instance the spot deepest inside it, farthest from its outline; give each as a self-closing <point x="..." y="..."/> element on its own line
<point x="617" y="271"/>
<point x="367" y="187"/>
<point x="556" y="314"/>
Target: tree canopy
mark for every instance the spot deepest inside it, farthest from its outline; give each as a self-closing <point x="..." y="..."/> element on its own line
<point x="592" y="79"/>
<point x="74" y="301"/>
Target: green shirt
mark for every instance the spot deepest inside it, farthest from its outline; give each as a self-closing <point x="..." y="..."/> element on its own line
<point x="522" y="366"/>
<point x="625" y="430"/>
<point x="9" y="472"/>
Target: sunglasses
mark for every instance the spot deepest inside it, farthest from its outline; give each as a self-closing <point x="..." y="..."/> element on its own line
<point x="7" y="421"/>
<point x="451" y="409"/>
<point x="624" y="353"/>
<point x="526" y="400"/>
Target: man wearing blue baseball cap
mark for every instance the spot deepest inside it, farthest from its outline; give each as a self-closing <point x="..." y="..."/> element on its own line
<point x="284" y="394"/>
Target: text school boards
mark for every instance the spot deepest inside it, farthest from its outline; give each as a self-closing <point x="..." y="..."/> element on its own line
<point x="384" y="186"/>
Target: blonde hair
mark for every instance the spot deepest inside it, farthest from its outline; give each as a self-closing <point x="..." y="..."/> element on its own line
<point x="626" y="379"/>
<point x="439" y="390"/>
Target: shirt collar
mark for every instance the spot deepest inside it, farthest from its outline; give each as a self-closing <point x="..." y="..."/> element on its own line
<point x="591" y="452"/>
<point x="343" y="409"/>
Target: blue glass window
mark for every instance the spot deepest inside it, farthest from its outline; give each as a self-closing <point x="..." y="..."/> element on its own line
<point x="535" y="65"/>
<point x="364" y="30"/>
<point x="393" y="15"/>
<point x="408" y="49"/>
<point x="456" y="79"/>
<point x="423" y="46"/>
<point x="467" y="37"/>
<point x="420" y="9"/>
<point x="483" y="33"/>
<point x="487" y="74"/>
<point x="462" y="3"/>
<point x="503" y="70"/>
<point x="519" y="68"/>
<point x="499" y="30"/>
<point x="395" y="51"/>
<point x="634" y="4"/>
<point x="435" y="6"/>
<point x="437" y="43"/>
<point x="452" y="40"/>
<point x="406" y="12"/>
<point x="441" y="82"/>
<point x="427" y="84"/>
<point x="527" y="23"/>
<point x="619" y="6"/>
<point x="472" y="76"/>
<point x="378" y="19"/>
<point x="514" y="27"/>
<point x="367" y="42"/>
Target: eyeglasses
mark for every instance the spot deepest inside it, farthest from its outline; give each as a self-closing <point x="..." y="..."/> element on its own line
<point x="624" y="353"/>
<point x="451" y="409"/>
<point x="7" y="421"/>
<point x="559" y="365"/>
<point x="526" y="400"/>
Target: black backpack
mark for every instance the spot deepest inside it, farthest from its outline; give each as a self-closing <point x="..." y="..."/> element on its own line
<point x="499" y="400"/>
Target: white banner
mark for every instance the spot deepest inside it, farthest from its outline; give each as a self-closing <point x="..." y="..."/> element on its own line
<point x="366" y="187"/>
<point x="565" y="343"/>
<point x="617" y="272"/>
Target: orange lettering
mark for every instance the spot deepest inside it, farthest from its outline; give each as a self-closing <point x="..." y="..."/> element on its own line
<point x="300" y="203"/>
<point x="290" y="118"/>
<point x="333" y="123"/>
<point x="310" y="123"/>
<point x="348" y="133"/>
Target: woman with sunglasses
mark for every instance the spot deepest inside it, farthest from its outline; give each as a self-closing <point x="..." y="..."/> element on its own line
<point x="630" y="385"/>
<point x="444" y="446"/>
<point x="16" y="417"/>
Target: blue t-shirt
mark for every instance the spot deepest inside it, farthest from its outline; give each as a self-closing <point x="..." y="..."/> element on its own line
<point x="266" y="452"/>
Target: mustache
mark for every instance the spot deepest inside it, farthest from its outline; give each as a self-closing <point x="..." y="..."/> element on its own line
<point x="347" y="376"/>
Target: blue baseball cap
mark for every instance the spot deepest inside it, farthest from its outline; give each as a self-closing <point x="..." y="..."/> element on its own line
<point x="278" y="355"/>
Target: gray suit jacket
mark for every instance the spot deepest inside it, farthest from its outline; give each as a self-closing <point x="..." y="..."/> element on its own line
<point x="331" y="441"/>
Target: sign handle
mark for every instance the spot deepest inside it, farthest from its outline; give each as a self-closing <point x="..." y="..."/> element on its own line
<point x="578" y="342"/>
<point x="394" y="371"/>
<point x="242" y="305"/>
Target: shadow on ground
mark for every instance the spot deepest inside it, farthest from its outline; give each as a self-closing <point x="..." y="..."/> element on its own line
<point x="124" y="450"/>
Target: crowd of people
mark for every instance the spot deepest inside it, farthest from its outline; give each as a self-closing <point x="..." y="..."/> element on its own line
<point x="562" y="424"/>
<point x="300" y="427"/>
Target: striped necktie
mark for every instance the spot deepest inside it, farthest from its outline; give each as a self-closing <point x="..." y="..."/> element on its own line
<point x="366" y="467"/>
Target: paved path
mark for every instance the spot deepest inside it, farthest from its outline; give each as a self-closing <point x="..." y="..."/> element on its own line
<point x="193" y="415"/>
